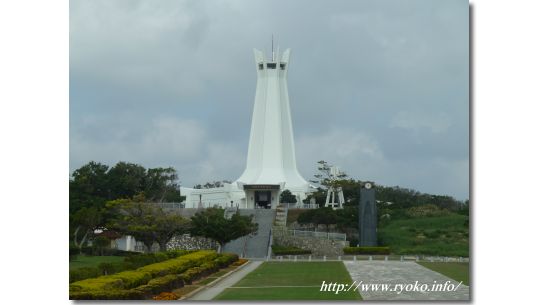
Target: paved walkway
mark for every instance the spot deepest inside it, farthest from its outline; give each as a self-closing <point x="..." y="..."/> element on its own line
<point x="212" y="291"/>
<point x="407" y="273"/>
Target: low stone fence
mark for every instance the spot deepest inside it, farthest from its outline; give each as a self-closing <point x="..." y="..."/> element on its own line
<point x="402" y="258"/>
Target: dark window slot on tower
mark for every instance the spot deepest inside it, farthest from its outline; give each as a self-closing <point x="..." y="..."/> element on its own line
<point x="282" y="66"/>
<point x="260" y="66"/>
<point x="271" y="65"/>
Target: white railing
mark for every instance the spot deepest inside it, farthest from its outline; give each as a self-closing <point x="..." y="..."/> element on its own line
<point x="315" y="234"/>
<point x="171" y="205"/>
<point x="300" y="205"/>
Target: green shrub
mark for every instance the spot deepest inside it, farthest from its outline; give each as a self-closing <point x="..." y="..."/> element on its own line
<point x="130" y="294"/>
<point x="191" y="275"/>
<point x="226" y="259"/>
<point x="98" y="283"/>
<point x="283" y="250"/>
<point x="111" y="268"/>
<point x="160" y="256"/>
<point x="167" y="280"/>
<point x="150" y="279"/>
<point x="180" y="264"/>
<point x="177" y="253"/>
<point x="195" y="273"/>
<point x="73" y="252"/>
<point x="83" y="273"/>
<point x="432" y="233"/>
<point x="132" y="278"/>
<point x="161" y="284"/>
<point x="353" y="241"/>
<point x="137" y="261"/>
<point x="133" y="261"/>
<point x="140" y="260"/>
<point x="427" y="210"/>
<point x="366" y="250"/>
<point x="122" y="280"/>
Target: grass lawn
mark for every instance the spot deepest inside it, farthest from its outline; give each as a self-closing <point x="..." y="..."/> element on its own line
<point x="455" y="271"/>
<point x="291" y="281"/>
<point x="93" y="261"/>
<point x="443" y="235"/>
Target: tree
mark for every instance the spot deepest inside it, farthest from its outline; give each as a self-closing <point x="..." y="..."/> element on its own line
<point x="319" y="196"/>
<point x="169" y="225"/>
<point x="88" y="187"/>
<point x="93" y="184"/>
<point x="146" y="222"/>
<point x="101" y="242"/>
<point x="287" y="197"/>
<point x="161" y="185"/>
<point x="211" y="223"/>
<point x="325" y="216"/>
<point x="85" y="221"/>
<point x="125" y="180"/>
<point x="325" y="178"/>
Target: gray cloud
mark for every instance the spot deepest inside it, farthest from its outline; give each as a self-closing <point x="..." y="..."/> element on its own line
<point x="377" y="87"/>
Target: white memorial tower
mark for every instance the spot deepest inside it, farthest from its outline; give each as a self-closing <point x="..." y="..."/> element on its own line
<point x="271" y="150"/>
<point x="271" y="166"/>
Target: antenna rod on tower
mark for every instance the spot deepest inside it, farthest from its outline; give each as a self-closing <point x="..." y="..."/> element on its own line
<point x="272" y="49"/>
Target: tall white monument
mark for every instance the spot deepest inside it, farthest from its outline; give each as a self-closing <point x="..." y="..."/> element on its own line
<point x="271" y="166"/>
<point x="271" y="150"/>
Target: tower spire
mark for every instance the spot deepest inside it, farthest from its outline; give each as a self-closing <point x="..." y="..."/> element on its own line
<point x="272" y="49"/>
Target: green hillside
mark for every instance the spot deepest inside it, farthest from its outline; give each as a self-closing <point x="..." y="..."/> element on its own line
<point x="442" y="235"/>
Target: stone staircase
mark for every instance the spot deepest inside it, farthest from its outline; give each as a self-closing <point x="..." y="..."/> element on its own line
<point x="255" y="245"/>
<point x="281" y="216"/>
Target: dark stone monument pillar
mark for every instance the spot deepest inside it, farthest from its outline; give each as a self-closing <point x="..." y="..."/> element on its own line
<point x="367" y="216"/>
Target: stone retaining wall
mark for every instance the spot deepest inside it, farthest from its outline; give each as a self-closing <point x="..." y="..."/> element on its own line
<point x="319" y="247"/>
<point x="187" y="242"/>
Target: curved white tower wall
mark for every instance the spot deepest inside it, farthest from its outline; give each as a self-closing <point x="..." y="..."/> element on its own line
<point x="271" y="166"/>
<point x="271" y="151"/>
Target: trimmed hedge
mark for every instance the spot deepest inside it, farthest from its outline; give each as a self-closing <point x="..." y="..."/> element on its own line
<point x="282" y="250"/>
<point x="226" y="259"/>
<point x="131" y="262"/>
<point x="83" y="273"/>
<point x="160" y="284"/>
<point x="366" y="250"/>
<point x="130" y="294"/>
<point x="179" y="265"/>
<point x="151" y="279"/>
<point x="140" y="260"/>
<point x="195" y="273"/>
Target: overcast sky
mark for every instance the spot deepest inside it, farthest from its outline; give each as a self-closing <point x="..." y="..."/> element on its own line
<point x="379" y="88"/>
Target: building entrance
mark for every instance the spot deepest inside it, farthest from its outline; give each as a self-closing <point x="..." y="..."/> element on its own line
<point x="262" y="199"/>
